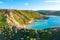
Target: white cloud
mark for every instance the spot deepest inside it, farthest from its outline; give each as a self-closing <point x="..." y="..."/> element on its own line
<point x="56" y="1"/>
<point x="1" y="2"/>
<point x="26" y="4"/>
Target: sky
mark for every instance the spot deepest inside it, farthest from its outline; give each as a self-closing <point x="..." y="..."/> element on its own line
<point x="30" y="4"/>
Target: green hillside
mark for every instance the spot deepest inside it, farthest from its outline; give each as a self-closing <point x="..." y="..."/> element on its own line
<point x="18" y="17"/>
<point x="49" y="12"/>
<point x="3" y="18"/>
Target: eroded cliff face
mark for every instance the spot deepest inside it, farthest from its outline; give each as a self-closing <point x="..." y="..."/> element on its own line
<point x="18" y="18"/>
<point x="13" y="22"/>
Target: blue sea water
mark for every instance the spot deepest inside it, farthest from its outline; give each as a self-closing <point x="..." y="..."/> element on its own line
<point x="52" y="21"/>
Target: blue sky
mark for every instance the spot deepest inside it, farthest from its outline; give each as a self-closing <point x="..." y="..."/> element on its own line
<point x="30" y="4"/>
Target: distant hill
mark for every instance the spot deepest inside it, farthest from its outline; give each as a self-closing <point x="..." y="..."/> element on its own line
<point x="18" y="18"/>
<point x="49" y="12"/>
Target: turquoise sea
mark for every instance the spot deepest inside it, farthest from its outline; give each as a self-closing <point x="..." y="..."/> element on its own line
<point x="52" y="21"/>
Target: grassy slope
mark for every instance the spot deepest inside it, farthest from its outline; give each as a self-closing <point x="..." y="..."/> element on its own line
<point x="2" y="18"/>
<point x="21" y="16"/>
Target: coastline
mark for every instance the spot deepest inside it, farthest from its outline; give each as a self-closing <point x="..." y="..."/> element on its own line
<point x="25" y="25"/>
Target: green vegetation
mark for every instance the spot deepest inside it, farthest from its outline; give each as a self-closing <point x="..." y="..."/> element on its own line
<point x="20" y="16"/>
<point x="49" y="12"/>
<point x="13" y="33"/>
<point x="3" y="19"/>
<point x="23" y="17"/>
<point x="9" y="17"/>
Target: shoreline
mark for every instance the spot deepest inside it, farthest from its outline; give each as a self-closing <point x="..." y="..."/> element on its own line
<point x="58" y="28"/>
<point x="31" y="21"/>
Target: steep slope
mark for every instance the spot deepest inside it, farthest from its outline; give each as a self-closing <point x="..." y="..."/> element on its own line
<point x="18" y="18"/>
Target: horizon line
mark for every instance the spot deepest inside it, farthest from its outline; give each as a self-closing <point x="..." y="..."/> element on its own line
<point x="29" y="9"/>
